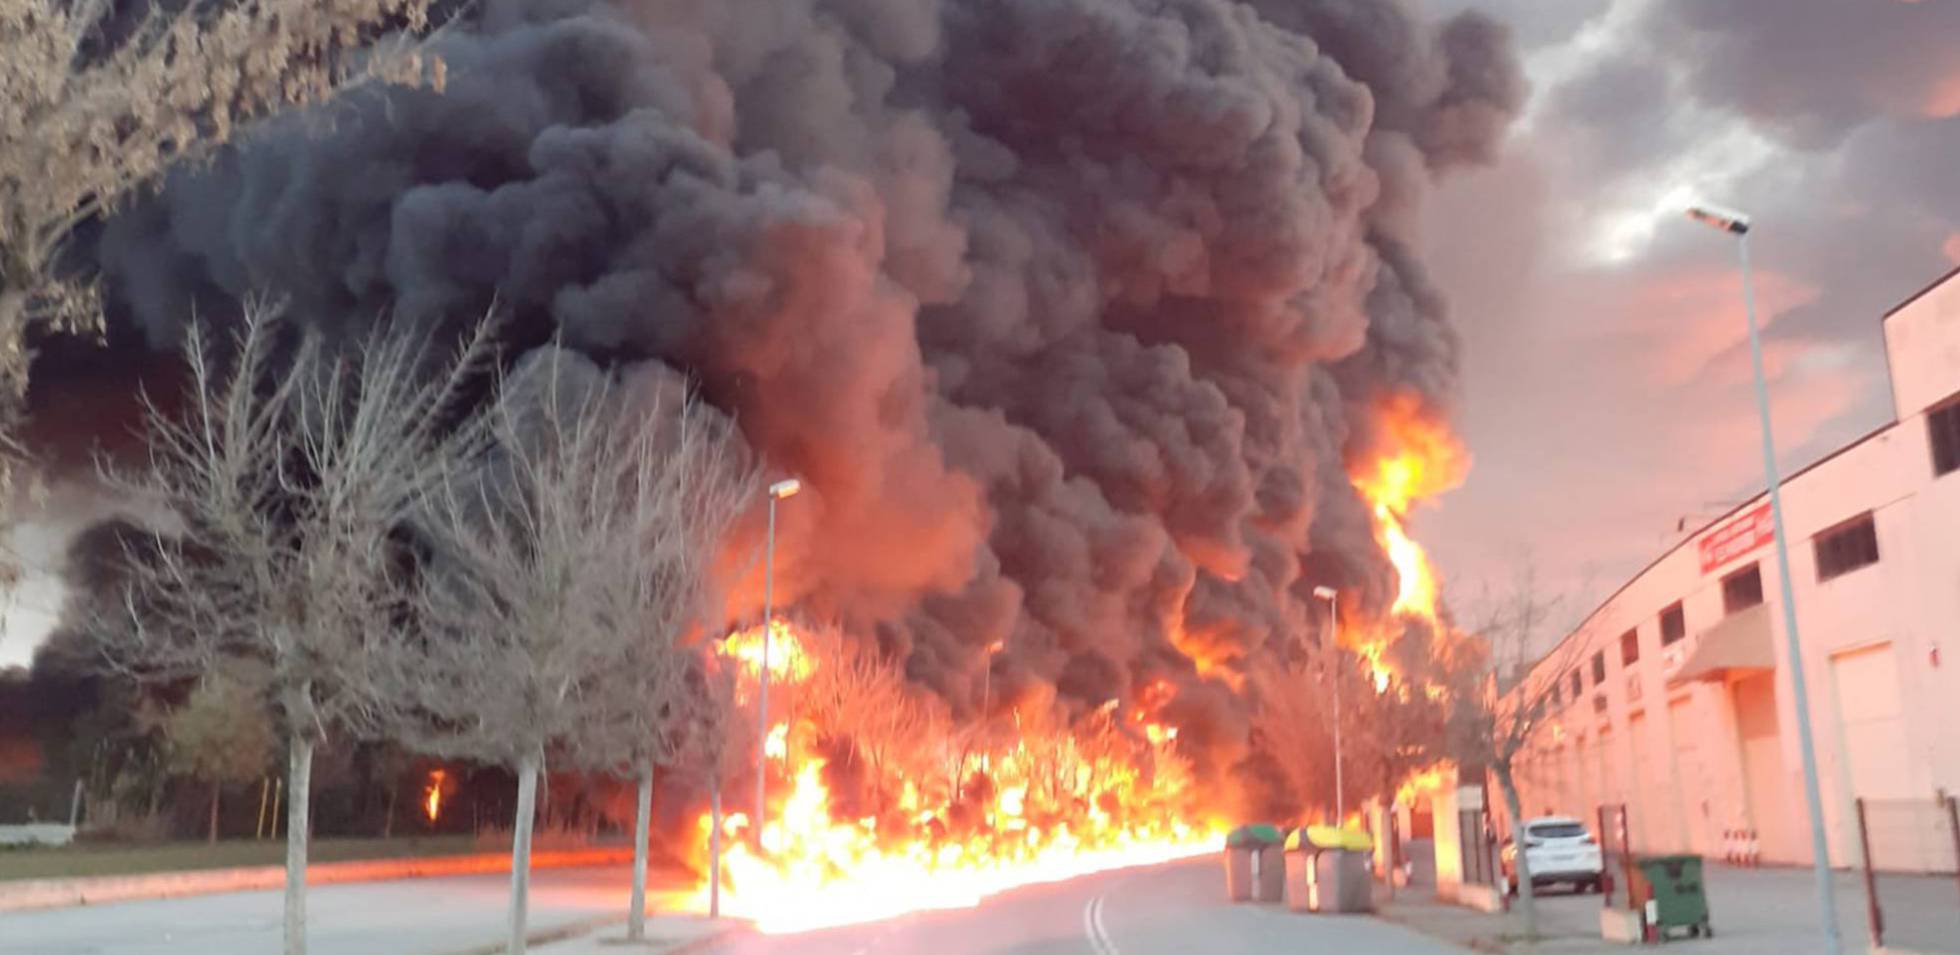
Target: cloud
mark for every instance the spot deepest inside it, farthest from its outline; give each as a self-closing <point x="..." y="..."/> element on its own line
<point x="1810" y="71"/>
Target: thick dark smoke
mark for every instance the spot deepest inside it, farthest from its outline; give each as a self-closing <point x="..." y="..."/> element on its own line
<point x="1072" y="313"/>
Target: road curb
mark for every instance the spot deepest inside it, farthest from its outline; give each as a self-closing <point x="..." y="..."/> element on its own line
<point x="582" y="928"/>
<point x="31" y="894"/>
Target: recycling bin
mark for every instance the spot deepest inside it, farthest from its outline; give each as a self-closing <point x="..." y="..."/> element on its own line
<point x="1243" y="854"/>
<point x="1238" y="873"/>
<point x="1674" y="894"/>
<point x="1269" y="873"/>
<point x="1327" y="870"/>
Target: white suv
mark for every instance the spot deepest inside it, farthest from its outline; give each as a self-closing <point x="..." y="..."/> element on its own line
<point x="1560" y="850"/>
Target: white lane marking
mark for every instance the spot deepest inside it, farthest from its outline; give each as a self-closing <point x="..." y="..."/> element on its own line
<point x="1092" y="926"/>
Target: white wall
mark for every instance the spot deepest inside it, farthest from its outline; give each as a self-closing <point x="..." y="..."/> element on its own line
<point x="1922" y="344"/>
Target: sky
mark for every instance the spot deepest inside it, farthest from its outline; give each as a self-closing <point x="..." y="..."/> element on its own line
<point x="1606" y="394"/>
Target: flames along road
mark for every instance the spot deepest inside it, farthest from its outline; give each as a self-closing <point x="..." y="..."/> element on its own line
<point x="1108" y="793"/>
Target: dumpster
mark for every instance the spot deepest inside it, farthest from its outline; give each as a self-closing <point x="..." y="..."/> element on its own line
<point x="1327" y="870"/>
<point x="1674" y="894"/>
<point x="1243" y="853"/>
<point x="1269" y="873"/>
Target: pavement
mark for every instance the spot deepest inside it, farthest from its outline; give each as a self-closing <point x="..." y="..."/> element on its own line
<point x="1769" y="911"/>
<point x="435" y="916"/>
<point x="1174" y="909"/>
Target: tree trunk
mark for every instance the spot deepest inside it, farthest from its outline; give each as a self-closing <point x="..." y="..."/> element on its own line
<point x="217" y="788"/>
<point x="299" y="787"/>
<point x="520" y="848"/>
<point x="388" y="821"/>
<point x="636" y="918"/>
<point x="714" y="848"/>
<point x="1521" y="860"/>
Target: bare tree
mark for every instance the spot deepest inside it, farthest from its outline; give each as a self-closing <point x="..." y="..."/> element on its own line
<point x="525" y="625"/>
<point x="220" y="734"/>
<point x="1292" y="727"/>
<point x="690" y="478"/>
<point x="287" y="476"/>
<point x="1497" y="711"/>
<point x="98" y="100"/>
<point x="863" y="698"/>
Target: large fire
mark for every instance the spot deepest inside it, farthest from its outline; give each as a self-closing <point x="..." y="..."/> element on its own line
<point x="1056" y="802"/>
<point x="1423" y="459"/>
<point x="933" y="816"/>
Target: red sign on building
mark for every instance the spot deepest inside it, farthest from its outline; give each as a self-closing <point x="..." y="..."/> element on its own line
<point x="1751" y="530"/>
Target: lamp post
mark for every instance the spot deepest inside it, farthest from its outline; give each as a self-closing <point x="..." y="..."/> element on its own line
<point x="987" y="684"/>
<point x="778" y="491"/>
<point x="1737" y="224"/>
<point x="1330" y="595"/>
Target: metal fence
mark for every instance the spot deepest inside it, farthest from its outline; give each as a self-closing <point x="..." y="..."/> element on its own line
<point x="1479" y="846"/>
<point x="1910" y="856"/>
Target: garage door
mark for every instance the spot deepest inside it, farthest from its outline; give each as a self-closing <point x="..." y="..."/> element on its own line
<point x="1870" y="723"/>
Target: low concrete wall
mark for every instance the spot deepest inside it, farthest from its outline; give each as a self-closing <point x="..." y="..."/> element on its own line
<point x="37" y="834"/>
<point x="1620" y="925"/>
<point x="1483" y="898"/>
<point x="97" y="890"/>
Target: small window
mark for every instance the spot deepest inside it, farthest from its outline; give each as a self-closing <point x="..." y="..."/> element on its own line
<point x="1674" y="625"/>
<point x="1578" y="685"/>
<point x="1599" y="705"/>
<point x="1742" y="589"/>
<point x="1847" y="547"/>
<point x="1599" y="668"/>
<point x="1630" y="647"/>
<point x="1556" y="687"/>
<point x="1943" y="432"/>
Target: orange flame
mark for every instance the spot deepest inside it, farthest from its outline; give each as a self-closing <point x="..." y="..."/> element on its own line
<point x="1421" y="459"/>
<point x="787" y="660"/>
<point x="1109" y="791"/>
<point x="432" y="795"/>
<point x="1424" y="459"/>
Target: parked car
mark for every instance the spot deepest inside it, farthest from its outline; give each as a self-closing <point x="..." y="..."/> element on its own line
<point x="1560" y="851"/>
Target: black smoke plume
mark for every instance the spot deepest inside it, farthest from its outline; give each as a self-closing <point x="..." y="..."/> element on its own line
<point x="1072" y="314"/>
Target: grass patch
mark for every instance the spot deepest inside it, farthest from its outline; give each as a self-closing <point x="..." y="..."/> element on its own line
<point x="88" y="859"/>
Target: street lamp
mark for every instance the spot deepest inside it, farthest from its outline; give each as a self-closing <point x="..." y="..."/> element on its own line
<point x="1330" y="595"/>
<point x="781" y="490"/>
<point x="1737" y="224"/>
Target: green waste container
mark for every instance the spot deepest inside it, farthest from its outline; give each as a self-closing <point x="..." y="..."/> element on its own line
<point x="1246" y="880"/>
<point x="1676" y="898"/>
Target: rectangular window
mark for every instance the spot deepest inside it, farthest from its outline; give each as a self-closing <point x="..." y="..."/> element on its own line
<point x="1742" y="589"/>
<point x="1599" y="703"/>
<point x="1846" y="547"/>
<point x="1599" y="668"/>
<point x="1556" y="687"/>
<point x="1578" y="685"/>
<point x="1674" y="625"/>
<point x="1630" y="647"/>
<point x="1943" y="432"/>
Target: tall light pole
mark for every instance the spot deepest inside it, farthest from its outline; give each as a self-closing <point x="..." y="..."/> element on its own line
<point x="778" y="491"/>
<point x="1331" y="595"/>
<point x="1737" y="224"/>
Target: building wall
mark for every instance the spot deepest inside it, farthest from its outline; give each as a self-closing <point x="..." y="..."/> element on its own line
<point x="1693" y="759"/>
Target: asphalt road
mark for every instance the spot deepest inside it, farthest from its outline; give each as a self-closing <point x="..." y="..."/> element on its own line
<point x="408" y="917"/>
<point x="1176" y="909"/>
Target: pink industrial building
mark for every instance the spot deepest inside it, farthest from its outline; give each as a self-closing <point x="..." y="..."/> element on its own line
<point x="1674" y="697"/>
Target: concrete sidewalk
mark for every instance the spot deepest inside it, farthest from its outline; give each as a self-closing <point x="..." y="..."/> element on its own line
<point x="1754" y="912"/>
<point x="667" y="934"/>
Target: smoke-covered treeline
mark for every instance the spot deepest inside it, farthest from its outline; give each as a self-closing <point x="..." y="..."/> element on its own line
<point x="1072" y="314"/>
